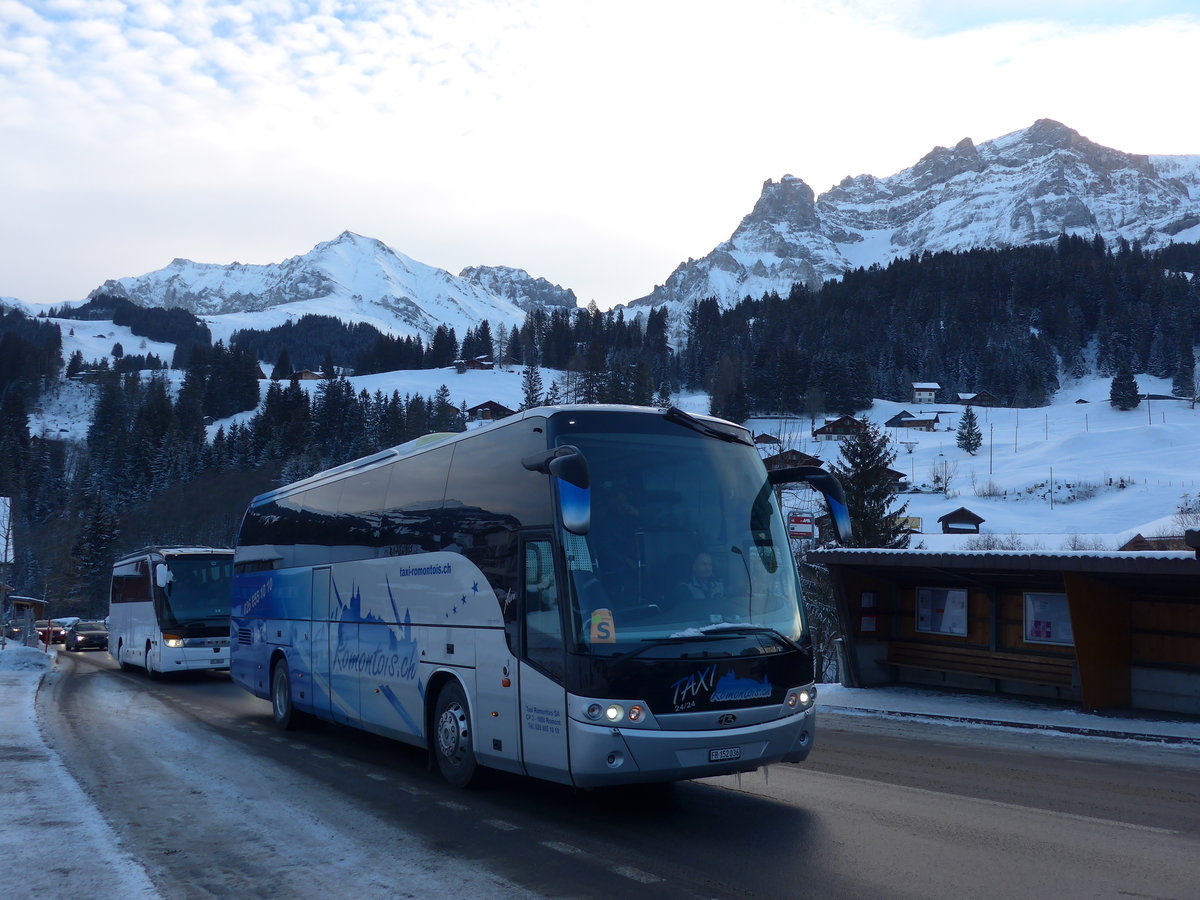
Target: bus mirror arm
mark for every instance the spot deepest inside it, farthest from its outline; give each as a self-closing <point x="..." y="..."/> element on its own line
<point x="830" y="488"/>
<point x="565" y="462"/>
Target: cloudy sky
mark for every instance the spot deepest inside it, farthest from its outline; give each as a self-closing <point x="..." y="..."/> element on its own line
<point x="596" y="143"/>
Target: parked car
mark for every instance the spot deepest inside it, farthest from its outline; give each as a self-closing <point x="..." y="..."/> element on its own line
<point x="86" y="635"/>
<point x="55" y="629"/>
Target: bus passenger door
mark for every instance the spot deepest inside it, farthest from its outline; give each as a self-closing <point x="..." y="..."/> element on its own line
<point x="543" y="664"/>
<point x="321" y="644"/>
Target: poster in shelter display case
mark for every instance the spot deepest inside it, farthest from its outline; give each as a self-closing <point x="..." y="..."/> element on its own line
<point x="942" y="610"/>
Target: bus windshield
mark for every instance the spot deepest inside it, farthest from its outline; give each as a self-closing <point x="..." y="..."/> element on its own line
<point x="198" y="590"/>
<point x="685" y="544"/>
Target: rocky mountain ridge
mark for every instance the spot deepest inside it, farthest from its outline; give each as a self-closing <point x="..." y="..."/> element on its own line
<point x="1026" y="187"/>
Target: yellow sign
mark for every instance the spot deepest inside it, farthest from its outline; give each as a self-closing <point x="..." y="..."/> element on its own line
<point x="604" y="631"/>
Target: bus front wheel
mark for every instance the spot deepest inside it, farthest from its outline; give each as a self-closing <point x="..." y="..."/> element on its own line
<point x="453" y="747"/>
<point x="121" y="664"/>
<point x="282" y="711"/>
<point x="151" y="672"/>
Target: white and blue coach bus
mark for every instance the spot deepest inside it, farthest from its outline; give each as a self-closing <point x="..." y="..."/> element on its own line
<point x="518" y="597"/>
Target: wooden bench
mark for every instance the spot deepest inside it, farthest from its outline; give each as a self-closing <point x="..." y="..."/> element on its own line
<point x="1056" y="671"/>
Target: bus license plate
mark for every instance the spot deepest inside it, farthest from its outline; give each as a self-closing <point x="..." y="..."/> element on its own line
<point x="724" y="753"/>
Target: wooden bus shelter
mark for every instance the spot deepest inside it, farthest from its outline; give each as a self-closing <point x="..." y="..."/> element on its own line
<point x="1111" y="630"/>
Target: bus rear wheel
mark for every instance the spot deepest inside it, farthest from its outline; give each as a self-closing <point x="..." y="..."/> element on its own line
<point x="121" y="664"/>
<point x="453" y="747"/>
<point x="282" y="711"/>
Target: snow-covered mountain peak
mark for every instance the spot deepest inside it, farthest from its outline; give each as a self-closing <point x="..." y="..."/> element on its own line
<point x="352" y="277"/>
<point x="1028" y="186"/>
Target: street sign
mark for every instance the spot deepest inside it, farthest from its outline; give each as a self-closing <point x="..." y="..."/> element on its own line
<point x="800" y="525"/>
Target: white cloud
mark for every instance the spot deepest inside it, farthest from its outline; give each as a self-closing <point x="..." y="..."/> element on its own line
<point x="595" y="143"/>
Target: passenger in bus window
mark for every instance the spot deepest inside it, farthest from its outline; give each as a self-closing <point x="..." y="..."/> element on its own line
<point x="702" y="585"/>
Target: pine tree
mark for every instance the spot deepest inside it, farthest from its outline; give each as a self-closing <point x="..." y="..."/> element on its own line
<point x="75" y="364"/>
<point x="1123" y="394"/>
<point x="970" y="438"/>
<point x="442" y="415"/>
<point x="728" y="392"/>
<point x="870" y="489"/>
<point x="283" y="366"/>
<point x="92" y="553"/>
<point x="1183" y="383"/>
<point x="531" y="387"/>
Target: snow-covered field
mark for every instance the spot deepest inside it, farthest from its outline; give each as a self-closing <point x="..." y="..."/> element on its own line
<point x="1115" y="474"/>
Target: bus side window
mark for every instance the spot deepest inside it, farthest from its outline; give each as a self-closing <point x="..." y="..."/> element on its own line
<point x="543" y="624"/>
<point x="143" y="585"/>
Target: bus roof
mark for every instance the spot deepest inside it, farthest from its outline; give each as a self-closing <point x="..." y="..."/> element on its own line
<point x="174" y="551"/>
<point x="438" y="439"/>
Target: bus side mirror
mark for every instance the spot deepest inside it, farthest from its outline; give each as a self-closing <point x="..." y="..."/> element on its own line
<point x="829" y="487"/>
<point x="569" y="466"/>
<point x="162" y="575"/>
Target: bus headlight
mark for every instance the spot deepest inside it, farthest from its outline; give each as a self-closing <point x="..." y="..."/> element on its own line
<point x="172" y="641"/>
<point x="614" y="713"/>
<point x="800" y="699"/>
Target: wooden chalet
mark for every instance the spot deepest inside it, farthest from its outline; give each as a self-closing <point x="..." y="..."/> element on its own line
<point x="788" y="459"/>
<point x="836" y="429"/>
<point x="488" y="411"/>
<point x="979" y="398"/>
<point x="479" y="363"/>
<point x="922" y="422"/>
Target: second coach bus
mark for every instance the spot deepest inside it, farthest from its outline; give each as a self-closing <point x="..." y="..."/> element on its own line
<point x="168" y="609"/>
<point x="590" y="595"/>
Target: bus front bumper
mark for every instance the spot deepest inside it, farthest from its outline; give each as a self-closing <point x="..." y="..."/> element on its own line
<point x="190" y="659"/>
<point x="604" y="755"/>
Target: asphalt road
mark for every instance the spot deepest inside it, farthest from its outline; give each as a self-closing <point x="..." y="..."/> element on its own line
<point x="216" y="803"/>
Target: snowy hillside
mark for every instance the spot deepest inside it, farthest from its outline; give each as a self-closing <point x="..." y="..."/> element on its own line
<point x="1026" y="187"/>
<point x="1114" y="473"/>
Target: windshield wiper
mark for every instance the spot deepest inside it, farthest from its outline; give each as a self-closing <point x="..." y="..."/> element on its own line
<point x="678" y="416"/>
<point x="738" y="629"/>
<point x="648" y="643"/>
<point x="707" y="633"/>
